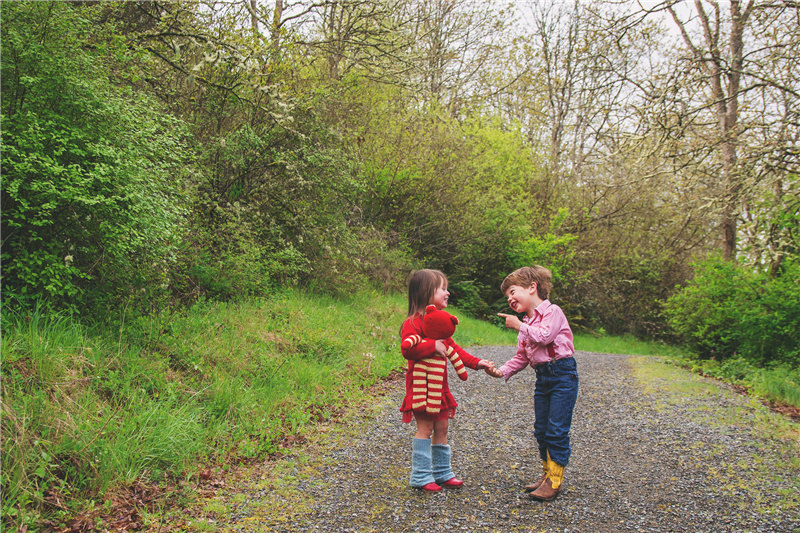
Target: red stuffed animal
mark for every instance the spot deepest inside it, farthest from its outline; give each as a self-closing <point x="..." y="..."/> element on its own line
<point x="428" y="374"/>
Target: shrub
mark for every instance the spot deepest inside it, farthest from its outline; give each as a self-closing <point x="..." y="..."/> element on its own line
<point x="348" y="259"/>
<point x="466" y="295"/>
<point x="730" y="310"/>
<point x="90" y="215"/>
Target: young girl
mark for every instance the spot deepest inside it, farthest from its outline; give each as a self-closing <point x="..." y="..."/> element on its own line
<point x="430" y="459"/>
<point x="544" y="342"/>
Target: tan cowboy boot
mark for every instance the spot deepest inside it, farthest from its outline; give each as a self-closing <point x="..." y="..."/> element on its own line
<point x="536" y="484"/>
<point x="551" y="486"/>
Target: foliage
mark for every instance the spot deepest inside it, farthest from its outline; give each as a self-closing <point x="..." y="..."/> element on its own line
<point x="90" y="171"/>
<point x="730" y="310"/>
<point x="155" y="154"/>
<point x="626" y="344"/>
<point x="454" y="191"/>
<point x="621" y="293"/>
<point x="467" y="295"/>
<point x="349" y="259"/>
<point x="554" y="249"/>
<point x="772" y="226"/>
<point x="230" y="262"/>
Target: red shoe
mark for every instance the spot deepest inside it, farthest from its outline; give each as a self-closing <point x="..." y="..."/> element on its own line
<point x="453" y="483"/>
<point x="431" y="487"/>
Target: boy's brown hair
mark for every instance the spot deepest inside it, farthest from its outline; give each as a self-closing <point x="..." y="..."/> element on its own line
<point x="527" y="276"/>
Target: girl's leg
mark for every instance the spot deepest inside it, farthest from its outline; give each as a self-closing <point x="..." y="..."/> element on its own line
<point x="441" y="455"/>
<point x="421" y="460"/>
<point x="440" y="428"/>
<point x="425" y="425"/>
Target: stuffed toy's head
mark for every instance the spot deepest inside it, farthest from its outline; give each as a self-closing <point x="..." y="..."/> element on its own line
<point x="438" y="324"/>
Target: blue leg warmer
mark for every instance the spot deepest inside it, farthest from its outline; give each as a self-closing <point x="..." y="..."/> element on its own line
<point x="442" y="470"/>
<point x="421" y="472"/>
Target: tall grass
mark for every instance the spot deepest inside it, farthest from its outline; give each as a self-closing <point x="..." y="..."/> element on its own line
<point x="84" y="411"/>
<point x="81" y="413"/>
<point x="778" y="383"/>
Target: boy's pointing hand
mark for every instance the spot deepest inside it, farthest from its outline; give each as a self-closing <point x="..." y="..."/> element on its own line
<point x="511" y="321"/>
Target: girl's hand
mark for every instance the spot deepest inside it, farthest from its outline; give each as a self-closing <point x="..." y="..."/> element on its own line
<point x="441" y="348"/>
<point x="485" y="363"/>
<point x="488" y="367"/>
<point x="512" y="321"/>
<point x="494" y="372"/>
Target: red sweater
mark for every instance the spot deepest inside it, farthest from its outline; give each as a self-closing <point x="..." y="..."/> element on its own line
<point x="423" y="350"/>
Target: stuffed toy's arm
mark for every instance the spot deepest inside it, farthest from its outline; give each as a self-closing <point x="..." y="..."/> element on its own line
<point x="413" y="346"/>
<point x="470" y="361"/>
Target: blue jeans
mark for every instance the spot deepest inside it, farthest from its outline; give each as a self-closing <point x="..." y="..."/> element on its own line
<point x="553" y="403"/>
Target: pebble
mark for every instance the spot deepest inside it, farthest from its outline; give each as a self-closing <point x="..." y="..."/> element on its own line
<point x="642" y="460"/>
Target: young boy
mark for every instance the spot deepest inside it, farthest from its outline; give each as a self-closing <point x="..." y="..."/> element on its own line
<point x="545" y="343"/>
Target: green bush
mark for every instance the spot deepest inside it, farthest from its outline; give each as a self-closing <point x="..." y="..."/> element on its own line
<point x="90" y="170"/>
<point x="730" y="310"/>
<point x="466" y="295"/>
<point x="346" y="259"/>
<point x="229" y="263"/>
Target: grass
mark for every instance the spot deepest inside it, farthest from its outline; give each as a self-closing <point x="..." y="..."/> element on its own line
<point x="626" y="345"/>
<point x="780" y="384"/>
<point x="155" y="401"/>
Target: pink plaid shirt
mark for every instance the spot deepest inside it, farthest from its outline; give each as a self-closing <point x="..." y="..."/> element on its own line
<point x="548" y="325"/>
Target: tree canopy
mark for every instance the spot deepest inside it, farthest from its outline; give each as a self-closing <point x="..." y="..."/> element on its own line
<point x="158" y="152"/>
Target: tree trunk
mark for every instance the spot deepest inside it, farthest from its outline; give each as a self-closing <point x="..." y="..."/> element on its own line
<point x="724" y="77"/>
<point x="275" y="31"/>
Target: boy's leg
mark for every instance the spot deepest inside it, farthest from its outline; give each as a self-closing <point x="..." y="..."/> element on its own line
<point x="541" y="410"/>
<point x="538" y="483"/>
<point x="563" y="395"/>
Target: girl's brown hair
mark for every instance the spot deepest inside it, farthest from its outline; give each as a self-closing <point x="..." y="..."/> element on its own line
<point x="527" y="276"/>
<point x="422" y="285"/>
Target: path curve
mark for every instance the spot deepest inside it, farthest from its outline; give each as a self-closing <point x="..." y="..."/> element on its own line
<point x="645" y="458"/>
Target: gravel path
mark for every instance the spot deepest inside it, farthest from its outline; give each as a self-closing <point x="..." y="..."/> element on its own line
<point x="646" y="457"/>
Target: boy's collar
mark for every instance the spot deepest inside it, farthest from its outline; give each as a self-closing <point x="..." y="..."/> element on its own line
<point x="540" y="309"/>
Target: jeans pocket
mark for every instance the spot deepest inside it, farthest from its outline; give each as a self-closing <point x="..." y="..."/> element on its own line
<point x="566" y="368"/>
